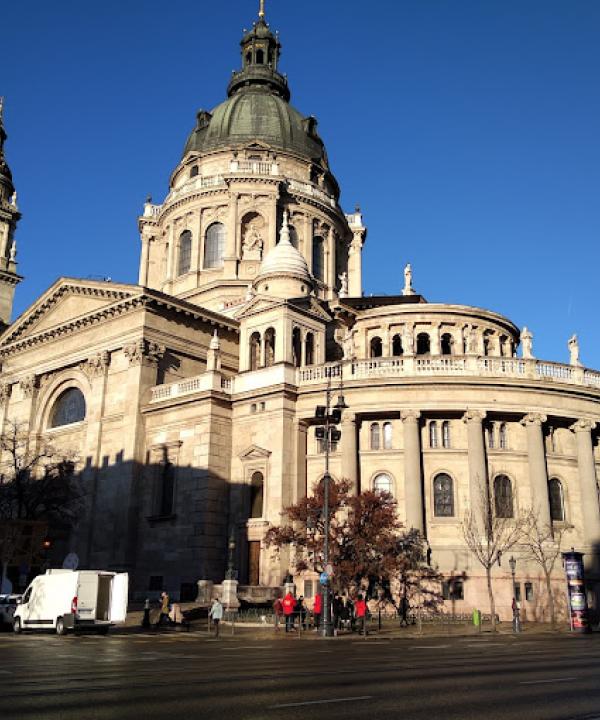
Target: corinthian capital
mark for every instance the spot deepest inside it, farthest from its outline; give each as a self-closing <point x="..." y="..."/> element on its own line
<point x="410" y="415"/>
<point x="534" y="419"/>
<point x="5" y="390"/>
<point x="143" y="351"/>
<point x="474" y="416"/>
<point x="28" y="385"/>
<point x="583" y="425"/>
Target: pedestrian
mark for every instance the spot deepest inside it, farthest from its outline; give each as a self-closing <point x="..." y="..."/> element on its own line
<point x="289" y="604"/>
<point x="216" y="614"/>
<point x="278" y="612"/>
<point x="360" y="610"/>
<point x="301" y="612"/>
<point x="165" y="601"/>
<point x="404" y="609"/>
<point x="317" y="610"/>
<point x="336" y="610"/>
<point x="146" y="620"/>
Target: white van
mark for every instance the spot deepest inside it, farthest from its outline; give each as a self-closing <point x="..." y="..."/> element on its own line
<point x="69" y="599"/>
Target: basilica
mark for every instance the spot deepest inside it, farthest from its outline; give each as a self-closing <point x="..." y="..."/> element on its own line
<point x="190" y="397"/>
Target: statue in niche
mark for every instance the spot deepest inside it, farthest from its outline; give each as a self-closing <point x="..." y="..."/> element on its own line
<point x="343" y="278"/>
<point x="574" y="351"/>
<point x="252" y="237"/>
<point x="348" y="345"/>
<point x="472" y="342"/>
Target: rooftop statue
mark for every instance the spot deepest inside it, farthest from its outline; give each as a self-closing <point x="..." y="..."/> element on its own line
<point x="574" y="351"/>
<point x="408" y="288"/>
<point x="527" y="343"/>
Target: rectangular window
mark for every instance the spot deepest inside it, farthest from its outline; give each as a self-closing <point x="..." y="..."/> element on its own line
<point x="529" y="592"/>
<point x="453" y="589"/>
<point x="308" y="589"/>
<point x="156" y="583"/>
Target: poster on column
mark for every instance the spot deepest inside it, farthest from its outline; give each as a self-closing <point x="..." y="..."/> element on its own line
<point x="573" y="562"/>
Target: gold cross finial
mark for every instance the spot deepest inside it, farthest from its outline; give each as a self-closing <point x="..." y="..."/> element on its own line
<point x="261" y="9"/>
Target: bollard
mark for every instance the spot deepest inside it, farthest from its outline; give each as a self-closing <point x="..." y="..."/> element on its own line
<point x="477" y="619"/>
<point x="146" y="620"/>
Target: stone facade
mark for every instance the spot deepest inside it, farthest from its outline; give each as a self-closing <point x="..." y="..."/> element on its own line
<point x="200" y="383"/>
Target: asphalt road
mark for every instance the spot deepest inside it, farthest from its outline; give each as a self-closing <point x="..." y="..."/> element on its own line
<point x="189" y="676"/>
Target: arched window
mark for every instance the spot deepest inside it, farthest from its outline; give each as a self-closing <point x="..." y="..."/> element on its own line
<point x="260" y="57"/>
<point x="382" y="483"/>
<point x="214" y="245"/>
<point x="269" y="347"/>
<point x="376" y="347"/>
<point x="489" y="432"/>
<point x="443" y="496"/>
<point x="423" y="344"/>
<point x="503" y="437"/>
<point x="185" y="253"/>
<point x="446" y="434"/>
<point x="503" y="498"/>
<point x="446" y="344"/>
<point x="294" y="237"/>
<point x="193" y="171"/>
<point x="256" y="495"/>
<point x="309" y="349"/>
<point x="297" y="346"/>
<point x="318" y="258"/>
<point x="69" y="408"/>
<point x="433" y="434"/>
<point x="248" y="58"/>
<point x="557" y="500"/>
<point x="375" y="439"/>
<point x="397" y="345"/>
<point x="254" y="360"/>
<point x="387" y="436"/>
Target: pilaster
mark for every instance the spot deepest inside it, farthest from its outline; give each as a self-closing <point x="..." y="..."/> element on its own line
<point x="413" y="486"/>
<point x="349" y="447"/>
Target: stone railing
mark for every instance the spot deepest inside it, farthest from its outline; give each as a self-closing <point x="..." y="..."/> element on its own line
<point x="254" y="167"/>
<point x="450" y="366"/>
<point x="309" y="189"/>
<point x="200" y="182"/>
<point x="386" y="367"/>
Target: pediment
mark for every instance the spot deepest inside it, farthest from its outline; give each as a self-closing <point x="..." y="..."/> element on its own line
<point x="261" y="303"/>
<point x="254" y="452"/>
<point x="65" y="301"/>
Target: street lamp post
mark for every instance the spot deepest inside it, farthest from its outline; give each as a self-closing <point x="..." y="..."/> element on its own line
<point x="328" y="433"/>
<point x="515" y="607"/>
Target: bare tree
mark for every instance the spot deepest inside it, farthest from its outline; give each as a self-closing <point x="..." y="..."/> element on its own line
<point x="541" y="544"/>
<point x="488" y="536"/>
<point x="38" y="488"/>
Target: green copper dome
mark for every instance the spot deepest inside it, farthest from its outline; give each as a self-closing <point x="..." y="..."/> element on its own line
<point x="258" y="107"/>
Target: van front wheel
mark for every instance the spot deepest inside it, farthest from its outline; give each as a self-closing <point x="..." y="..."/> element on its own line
<point x="60" y="626"/>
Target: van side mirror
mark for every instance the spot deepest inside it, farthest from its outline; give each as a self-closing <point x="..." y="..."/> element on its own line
<point x="19" y="601"/>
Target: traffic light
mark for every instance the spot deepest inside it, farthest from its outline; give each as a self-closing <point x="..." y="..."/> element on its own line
<point x="320" y="432"/>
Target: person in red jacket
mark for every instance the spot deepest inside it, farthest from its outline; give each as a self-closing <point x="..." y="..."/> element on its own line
<point x="360" y="609"/>
<point x="317" y="610"/>
<point x="289" y="603"/>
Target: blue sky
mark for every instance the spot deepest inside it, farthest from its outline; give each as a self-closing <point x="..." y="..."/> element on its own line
<point x="468" y="131"/>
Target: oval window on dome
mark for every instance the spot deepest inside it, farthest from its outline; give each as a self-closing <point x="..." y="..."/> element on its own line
<point x="68" y="409"/>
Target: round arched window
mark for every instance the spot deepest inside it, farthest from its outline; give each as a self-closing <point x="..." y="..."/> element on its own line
<point x="382" y="483"/>
<point x="68" y="409"/>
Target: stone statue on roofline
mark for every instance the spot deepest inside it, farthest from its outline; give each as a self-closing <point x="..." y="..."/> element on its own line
<point x="573" y="345"/>
<point x="527" y="343"/>
<point x="408" y="288"/>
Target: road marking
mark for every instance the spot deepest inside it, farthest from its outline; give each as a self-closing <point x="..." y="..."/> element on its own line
<point x="429" y="647"/>
<point x="540" y="682"/>
<point x="370" y="642"/>
<point x="485" y="644"/>
<point x="320" y="702"/>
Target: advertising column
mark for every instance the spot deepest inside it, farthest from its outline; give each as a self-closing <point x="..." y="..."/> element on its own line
<point x="573" y="562"/>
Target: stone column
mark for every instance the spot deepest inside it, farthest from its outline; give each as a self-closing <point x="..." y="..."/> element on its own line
<point x="170" y="253"/>
<point x="350" y="450"/>
<point x="477" y="462"/>
<point x="587" y="482"/>
<point x="308" y="241"/>
<point x="301" y="434"/>
<point x="143" y="275"/>
<point x="355" y="263"/>
<point x="538" y="474"/>
<point x="413" y="487"/>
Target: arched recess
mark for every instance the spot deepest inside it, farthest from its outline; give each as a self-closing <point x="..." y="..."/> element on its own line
<point x="423" y="344"/>
<point x="254" y="351"/>
<point x="269" y="347"/>
<point x="397" y="348"/>
<point x="375" y="347"/>
<point x="253" y="235"/>
<point x="297" y="346"/>
<point x="214" y="245"/>
<point x="309" y="349"/>
<point x="447" y="344"/>
<point x="51" y="392"/>
<point x="68" y="408"/>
